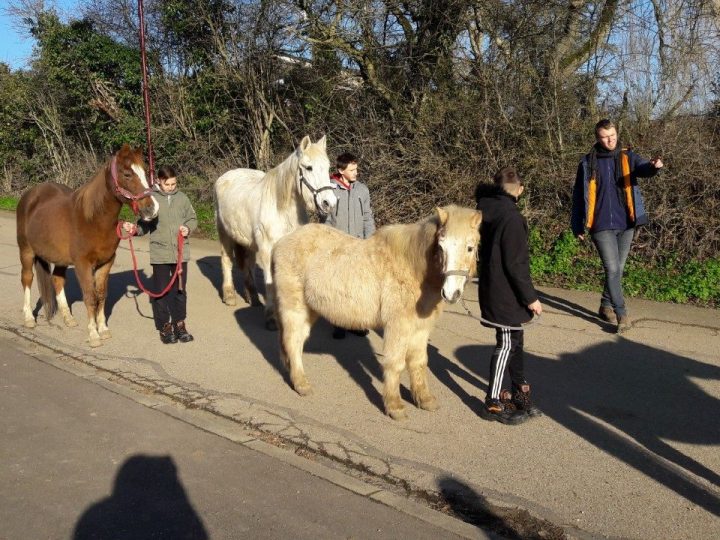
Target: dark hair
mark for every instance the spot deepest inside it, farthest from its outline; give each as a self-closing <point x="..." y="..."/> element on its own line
<point x="604" y="124"/>
<point x="345" y="159"/>
<point x="166" y="172"/>
<point x="507" y="175"/>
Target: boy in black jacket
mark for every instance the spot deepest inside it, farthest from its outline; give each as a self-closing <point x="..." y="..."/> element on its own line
<point x="507" y="295"/>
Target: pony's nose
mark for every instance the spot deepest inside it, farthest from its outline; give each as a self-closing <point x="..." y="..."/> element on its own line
<point x="455" y="297"/>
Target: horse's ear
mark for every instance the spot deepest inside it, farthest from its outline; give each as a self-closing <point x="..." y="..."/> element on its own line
<point x="304" y="143"/>
<point x="476" y="219"/>
<point x="323" y="142"/>
<point x="442" y="215"/>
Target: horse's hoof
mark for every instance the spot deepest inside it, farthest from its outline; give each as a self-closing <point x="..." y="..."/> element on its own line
<point x="304" y="389"/>
<point x="429" y="404"/>
<point x="105" y="334"/>
<point x="271" y="324"/>
<point x="255" y="302"/>
<point x="30" y="323"/>
<point x="70" y="322"/>
<point x="95" y="342"/>
<point x="397" y="413"/>
<point x="229" y="298"/>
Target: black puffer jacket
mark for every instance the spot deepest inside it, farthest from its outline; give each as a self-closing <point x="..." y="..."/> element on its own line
<point x="505" y="287"/>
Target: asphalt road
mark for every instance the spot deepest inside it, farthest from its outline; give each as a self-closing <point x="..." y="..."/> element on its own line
<point x="79" y="461"/>
<point x="627" y="448"/>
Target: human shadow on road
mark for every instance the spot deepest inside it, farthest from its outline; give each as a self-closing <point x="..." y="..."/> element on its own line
<point x="576" y="310"/>
<point x="645" y="393"/>
<point x="148" y="501"/>
<point x="471" y="507"/>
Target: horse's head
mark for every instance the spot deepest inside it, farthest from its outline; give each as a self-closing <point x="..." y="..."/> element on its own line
<point x="129" y="183"/>
<point x="458" y="236"/>
<point x="314" y="176"/>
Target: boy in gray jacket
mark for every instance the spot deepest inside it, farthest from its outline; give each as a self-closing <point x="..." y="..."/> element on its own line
<point x="176" y="214"/>
<point x="353" y="213"/>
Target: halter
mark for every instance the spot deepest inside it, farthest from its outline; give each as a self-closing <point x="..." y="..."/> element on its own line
<point x="303" y="181"/>
<point x="121" y="191"/>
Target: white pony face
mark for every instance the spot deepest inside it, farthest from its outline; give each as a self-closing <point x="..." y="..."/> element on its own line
<point x="458" y="238"/>
<point x="317" y="189"/>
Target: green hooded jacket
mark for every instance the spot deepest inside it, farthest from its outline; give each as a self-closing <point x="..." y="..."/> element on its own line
<point x="175" y="210"/>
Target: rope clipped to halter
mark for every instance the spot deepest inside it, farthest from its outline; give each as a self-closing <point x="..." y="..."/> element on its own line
<point x="178" y="267"/>
<point x="302" y="181"/>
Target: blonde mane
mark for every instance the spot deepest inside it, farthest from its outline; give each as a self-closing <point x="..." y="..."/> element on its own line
<point x="412" y="241"/>
<point x="90" y="198"/>
<point x="280" y="181"/>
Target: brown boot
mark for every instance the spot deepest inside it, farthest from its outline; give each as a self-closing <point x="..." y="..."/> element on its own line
<point x="181" y="331"/>
<point x="623" y="324"/>
<point x="607" y="314"/>
<point x="167" y="334"/>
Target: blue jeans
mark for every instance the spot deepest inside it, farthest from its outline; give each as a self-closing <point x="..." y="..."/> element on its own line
<point x="613" y="247"/>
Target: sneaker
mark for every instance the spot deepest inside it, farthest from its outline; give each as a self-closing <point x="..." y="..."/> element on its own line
<point x="521" y="400"/>
<point x="338" y="333"/>
<point x="361" y="333"/>
<point x="495" y="410"/>
<point x="607" y="314"/>
<point x="623" y="324"/>
<point x="167" y="334"/>
<point x="182" y="334"/>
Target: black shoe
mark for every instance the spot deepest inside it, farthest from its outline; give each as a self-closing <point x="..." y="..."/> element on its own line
<point x="522" y="402"/>
<point x="338" y="333"/>
<point x="167" y="334"/>
<point x="361" y="333"/>
<point x="182" y="334"/>
<point x="495" y="410"/>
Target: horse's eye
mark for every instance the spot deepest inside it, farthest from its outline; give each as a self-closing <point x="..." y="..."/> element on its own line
<point x="308" y="167"/>
<point x="470" y="248"/>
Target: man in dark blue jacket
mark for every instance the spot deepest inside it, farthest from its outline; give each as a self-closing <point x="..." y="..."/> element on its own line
<point x="506" y="293"/>
<point x="607" y="201"/>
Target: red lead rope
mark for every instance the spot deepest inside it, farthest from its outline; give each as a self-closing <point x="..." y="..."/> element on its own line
<point x="178" y="267"/>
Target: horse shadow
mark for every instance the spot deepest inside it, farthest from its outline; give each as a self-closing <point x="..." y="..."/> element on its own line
<point x="148" y="501"/>
<point x="211" y="268"/>
<point x="645" y="393"/>
<point x="120" y="285"/>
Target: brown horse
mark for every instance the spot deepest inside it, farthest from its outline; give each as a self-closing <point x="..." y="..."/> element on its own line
<point x="400" y="275"/>
<point x="58" y="226"/>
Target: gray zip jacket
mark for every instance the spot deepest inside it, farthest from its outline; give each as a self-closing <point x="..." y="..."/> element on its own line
<point x="353" y="213"/>
<point x="175" y="210"/>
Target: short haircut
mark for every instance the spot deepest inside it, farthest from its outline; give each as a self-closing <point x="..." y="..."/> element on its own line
<point x="604" y="124"/>
<point x="507" y="175"/>
<point x="345" y="159"/>
<point x="166" y="172"/>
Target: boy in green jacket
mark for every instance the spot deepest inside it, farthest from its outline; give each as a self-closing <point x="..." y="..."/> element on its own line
<point x="175" y="214"/>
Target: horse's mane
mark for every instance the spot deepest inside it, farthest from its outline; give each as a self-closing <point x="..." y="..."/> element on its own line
<point x="276" y="183"/>
<point x="411" y="241"/>
<point x="90" y="197"/>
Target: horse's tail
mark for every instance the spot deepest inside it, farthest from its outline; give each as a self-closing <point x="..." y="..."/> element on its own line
<point x="45" y="285"/>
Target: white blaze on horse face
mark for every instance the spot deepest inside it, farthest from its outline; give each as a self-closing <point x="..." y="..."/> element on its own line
<point x="455" y="256"/>
<point x="150" y="211"/>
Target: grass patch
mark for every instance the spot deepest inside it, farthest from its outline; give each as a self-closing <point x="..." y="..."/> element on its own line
<point x="8" y="203"/>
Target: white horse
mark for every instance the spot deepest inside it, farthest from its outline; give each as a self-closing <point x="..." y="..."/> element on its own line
<point x="254" y="209"/>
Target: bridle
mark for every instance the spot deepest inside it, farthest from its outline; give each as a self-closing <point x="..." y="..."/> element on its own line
<point x="303" y="181"/>
<point x="122" y="192"/>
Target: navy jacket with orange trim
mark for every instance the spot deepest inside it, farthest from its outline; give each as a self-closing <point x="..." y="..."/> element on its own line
<point x="585" y="191"/>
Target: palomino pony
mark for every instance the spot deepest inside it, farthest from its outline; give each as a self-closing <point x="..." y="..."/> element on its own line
<point x="253" y="210"/>
<point x="403" y="273"/>
<point x="59" y="226"/>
